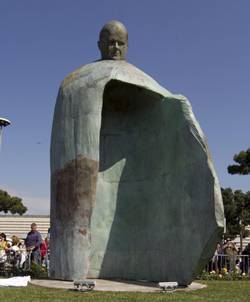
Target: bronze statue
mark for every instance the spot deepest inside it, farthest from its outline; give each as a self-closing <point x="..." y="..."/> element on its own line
<point x="132" y="181"/>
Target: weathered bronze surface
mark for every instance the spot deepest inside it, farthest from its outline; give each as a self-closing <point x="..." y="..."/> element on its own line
<point x="75" y="194"/>
<point x="134" y="194"/>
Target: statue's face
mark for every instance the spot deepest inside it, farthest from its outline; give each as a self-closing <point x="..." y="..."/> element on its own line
<point x="114" y="45"/>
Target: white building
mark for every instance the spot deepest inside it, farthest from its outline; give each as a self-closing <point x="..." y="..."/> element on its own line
<point x="20" y="225"/>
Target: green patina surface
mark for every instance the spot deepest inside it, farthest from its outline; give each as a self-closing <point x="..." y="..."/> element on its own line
<point x="154" y="209"/>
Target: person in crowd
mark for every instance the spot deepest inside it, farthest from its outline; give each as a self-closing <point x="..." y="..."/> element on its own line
<point x="15" y="243"/>
<point x="44" y="249"/>
<point x="230" y="250"/>
<point x="217" y="258"/>
<point x="23" y="253"/>
<point x="12" y="244"/>
<point x="33" y="242"/>
<point x="9" y="244"/>
<point x="3" y="244"/>
<point x="246" y="259"/>
<point x="12" y="250"/>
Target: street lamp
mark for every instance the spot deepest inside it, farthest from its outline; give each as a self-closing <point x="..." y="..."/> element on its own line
<point x="3" y="123"/>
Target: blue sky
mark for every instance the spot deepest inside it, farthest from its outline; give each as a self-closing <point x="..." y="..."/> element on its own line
<point x="197" y="48"/>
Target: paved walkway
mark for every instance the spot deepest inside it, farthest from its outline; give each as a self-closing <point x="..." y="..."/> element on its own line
<point x="114" y="286"/>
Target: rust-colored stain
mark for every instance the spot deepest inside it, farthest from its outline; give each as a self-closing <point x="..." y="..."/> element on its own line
<point x="74" y="191"/>
<point x="85" y="213"/>
<point x="69" y="78"/>
<point x="83" y="232"/>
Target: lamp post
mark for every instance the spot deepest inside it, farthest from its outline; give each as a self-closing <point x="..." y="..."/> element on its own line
<point x="241" y="235"/>
<point x="3" y="123"/>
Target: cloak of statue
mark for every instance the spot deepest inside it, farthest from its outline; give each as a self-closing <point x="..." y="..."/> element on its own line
<point x="134" y="194"/>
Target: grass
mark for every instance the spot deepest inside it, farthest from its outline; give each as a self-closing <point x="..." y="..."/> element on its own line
<point x="221" y="291"/>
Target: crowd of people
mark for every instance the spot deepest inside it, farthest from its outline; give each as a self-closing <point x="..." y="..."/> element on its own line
<point x="25" y="251"/>
<point x="228" y="256"/>
<point x="35" y="249"/>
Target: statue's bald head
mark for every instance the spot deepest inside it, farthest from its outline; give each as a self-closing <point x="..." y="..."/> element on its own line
<point x="113" y="41"/>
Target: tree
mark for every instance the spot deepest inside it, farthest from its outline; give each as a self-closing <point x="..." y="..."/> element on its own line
<point x="230" y="212"/>
<point x="11" y="204"/>
<point x="243" y="163"/>
<point x="237" y="212"/>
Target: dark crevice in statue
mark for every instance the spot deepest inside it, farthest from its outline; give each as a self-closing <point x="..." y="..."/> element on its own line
<point x="134" y="194"/>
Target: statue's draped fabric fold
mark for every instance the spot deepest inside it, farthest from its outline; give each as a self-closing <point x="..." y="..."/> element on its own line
<point x="134" y="194"/>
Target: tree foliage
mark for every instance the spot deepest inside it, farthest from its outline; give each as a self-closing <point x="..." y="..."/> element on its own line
<point x="237" y="211"/>
<point x="11" y="204"/>
<point x="243" y="163"/>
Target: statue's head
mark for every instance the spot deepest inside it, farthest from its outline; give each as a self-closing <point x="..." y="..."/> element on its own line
<point x="113" y="41"/>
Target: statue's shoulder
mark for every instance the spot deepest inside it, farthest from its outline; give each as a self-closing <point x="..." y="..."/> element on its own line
<point x="75" y="75"/>
<point x="129" y="73"/>
<point x="91" y="71"/>
<point x="104" y="70"/>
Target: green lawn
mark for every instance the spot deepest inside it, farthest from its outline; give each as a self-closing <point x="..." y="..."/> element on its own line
<point x="236" y="291"/>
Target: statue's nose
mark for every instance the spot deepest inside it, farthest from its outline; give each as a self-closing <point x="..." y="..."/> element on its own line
<point x="116" y="44"/>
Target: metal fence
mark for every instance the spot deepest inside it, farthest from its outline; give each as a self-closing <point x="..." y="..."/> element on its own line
<point x="21" y="262"/>
<point x="16" y="262"/>
<point x="232" y="263"/>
